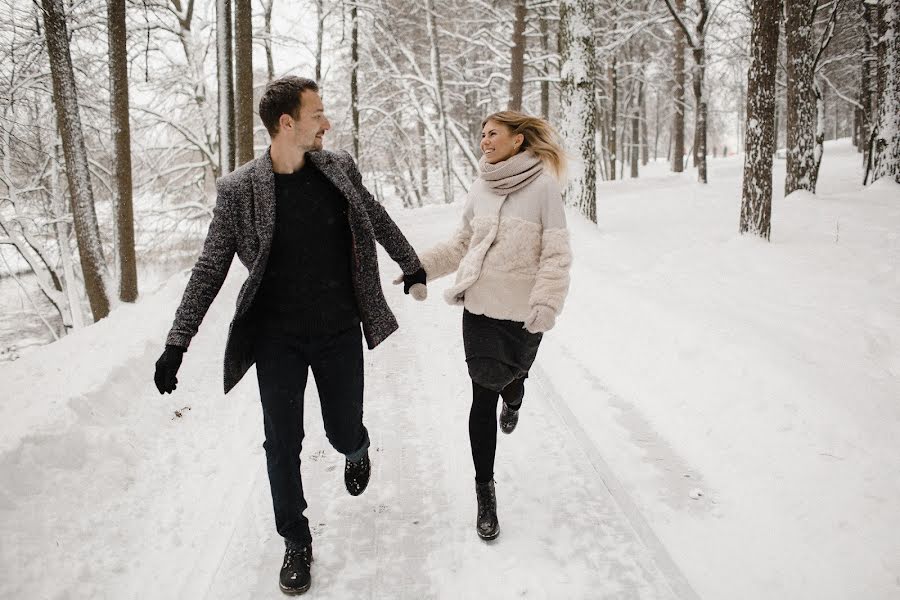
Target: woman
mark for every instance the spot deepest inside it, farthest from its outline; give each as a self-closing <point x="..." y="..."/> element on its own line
<point x="511" y="256"/>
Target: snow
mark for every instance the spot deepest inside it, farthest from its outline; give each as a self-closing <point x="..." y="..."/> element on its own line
<point x="714" y="416"/>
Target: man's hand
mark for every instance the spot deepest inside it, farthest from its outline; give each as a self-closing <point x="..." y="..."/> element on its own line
<point x="167" y="368"/>
<point x="414" y="284"/>
<point x="541" y="319"/>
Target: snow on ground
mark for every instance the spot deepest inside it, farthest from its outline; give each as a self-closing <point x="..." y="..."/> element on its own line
<point x="714" y="416"/>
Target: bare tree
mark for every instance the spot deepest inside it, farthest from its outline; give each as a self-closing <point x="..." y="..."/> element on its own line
<point x="224" y="66"/>
<point x="517" y="57"/>
<point x="756" y="201"/>
<point x="697" y="43"/>
<point x="678" y="96"/>
<point x="243" y="90"/>
<point x="354" y="75"/>
<point x="438" y="83"/>
<point x="65" y="97"/>
<point x="268" y="5"/>
<point x="118" y="98"/>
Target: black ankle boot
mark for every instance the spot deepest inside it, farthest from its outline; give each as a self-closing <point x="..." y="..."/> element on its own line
<point x="295" y="578"/>
<point x="486" y="525"/>
<point x="509" y="418"/>
<point x="356" y="474"/>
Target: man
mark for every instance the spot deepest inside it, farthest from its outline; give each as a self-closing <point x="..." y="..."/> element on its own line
<point x="302" y="223"/>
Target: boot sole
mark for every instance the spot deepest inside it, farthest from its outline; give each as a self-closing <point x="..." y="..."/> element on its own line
<point x="490" y="537"/>
<point x="295" y="591"/>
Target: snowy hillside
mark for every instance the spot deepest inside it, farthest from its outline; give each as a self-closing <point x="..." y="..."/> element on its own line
<point x="714" y="416"/>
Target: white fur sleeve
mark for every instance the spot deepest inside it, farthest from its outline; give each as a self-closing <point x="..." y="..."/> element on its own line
<point x="552" y="280"/>
<point x="444" y="258"/>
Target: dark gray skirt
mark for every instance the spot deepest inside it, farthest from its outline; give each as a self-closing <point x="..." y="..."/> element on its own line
<point x="497" y="351"/>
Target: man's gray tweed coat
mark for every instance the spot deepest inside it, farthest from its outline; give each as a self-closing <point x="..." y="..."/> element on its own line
<point x="244" y="223"/>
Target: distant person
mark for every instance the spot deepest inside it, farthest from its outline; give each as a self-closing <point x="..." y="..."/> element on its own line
<point x="301" y="221"/>
<point x="511" y="256"/>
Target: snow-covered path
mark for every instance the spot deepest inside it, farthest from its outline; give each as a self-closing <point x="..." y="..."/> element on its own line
<point x="411" y="534"/>
<point x="711" y="413"/>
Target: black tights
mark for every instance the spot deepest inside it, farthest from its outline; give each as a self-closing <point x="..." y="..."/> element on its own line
<point x="483" y="424"/>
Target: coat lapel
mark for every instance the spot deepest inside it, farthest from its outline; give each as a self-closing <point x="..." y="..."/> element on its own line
<point x="264" y="199"/>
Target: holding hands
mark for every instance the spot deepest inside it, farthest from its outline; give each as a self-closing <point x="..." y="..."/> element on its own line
<point x="414" y="284"/>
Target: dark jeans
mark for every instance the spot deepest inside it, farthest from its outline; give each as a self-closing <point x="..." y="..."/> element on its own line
<point x="282" y="366"/>
<point x="483" y="424"/>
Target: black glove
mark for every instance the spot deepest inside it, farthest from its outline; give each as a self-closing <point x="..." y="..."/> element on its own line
<point x="411" y="280"/>
<point x="167" y="368"/>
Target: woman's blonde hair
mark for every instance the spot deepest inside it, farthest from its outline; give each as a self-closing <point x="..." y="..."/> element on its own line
<point x="540" y="137"/>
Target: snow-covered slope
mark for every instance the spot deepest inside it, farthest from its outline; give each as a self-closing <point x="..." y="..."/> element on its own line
<point x="714" y="416"/>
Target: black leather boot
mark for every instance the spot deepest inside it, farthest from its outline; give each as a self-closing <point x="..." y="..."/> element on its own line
<point x="509" y="418"/>
<point x="486" y="525"/>
<point x="295" y="578"/>
<point x="356" y="475"/>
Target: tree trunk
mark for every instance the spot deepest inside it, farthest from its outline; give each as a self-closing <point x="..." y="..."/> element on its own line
<point x="118" y="97"/>
<point x="320" y="36"/>
<point x="699" y="71"/>
<point x="545" y="85"/>
<point x="635" y="135"/>
<point x="354" y="75"/>
<point x="866" y="115"/>
<point x="243" y="55"/>
<point x="613" y="117"/>
<point x="62" y="241"/>
<point x="517" y="57"/>
<point x="819" y="145"/>
<point x="678" y="95"/>
<point x="756" y="198"/>
<point x="267" y="39"/>
<point x="888" y="143"/>
<point x="438" y="83"/>
<point x="578" y="68"/>
<point x="226" y="86"/>
<point x="801" y="97"/>
<point x="642" y="102"/>
<point x="423" y="159"/>
<point x="65" y="99"/>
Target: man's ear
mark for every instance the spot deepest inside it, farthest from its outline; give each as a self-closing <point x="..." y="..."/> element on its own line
<point x="285" y="121"/>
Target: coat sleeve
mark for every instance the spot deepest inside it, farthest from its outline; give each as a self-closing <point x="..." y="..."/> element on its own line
<point x="444" y="258"/>
<point x="386" y="231"/>
<point x="552" y="280"/>
<point x="208" y="273"/>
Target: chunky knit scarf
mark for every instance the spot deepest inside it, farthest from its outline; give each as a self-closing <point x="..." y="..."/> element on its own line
<point x="512" y="174"/>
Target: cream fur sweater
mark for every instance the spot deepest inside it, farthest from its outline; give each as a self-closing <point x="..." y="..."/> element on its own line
<point x="510" y="252"/>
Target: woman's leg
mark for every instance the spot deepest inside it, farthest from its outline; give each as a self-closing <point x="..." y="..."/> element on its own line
<point x="483" y="431"/>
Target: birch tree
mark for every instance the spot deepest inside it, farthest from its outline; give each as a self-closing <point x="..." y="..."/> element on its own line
<point x="577" y="72"/>
<point x="756" y="198"/>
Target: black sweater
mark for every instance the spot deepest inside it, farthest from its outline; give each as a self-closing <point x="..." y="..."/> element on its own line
<point x="307" y="288"/>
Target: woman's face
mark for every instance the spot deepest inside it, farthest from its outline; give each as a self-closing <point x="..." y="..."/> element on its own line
<point x="498" y="143"/>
